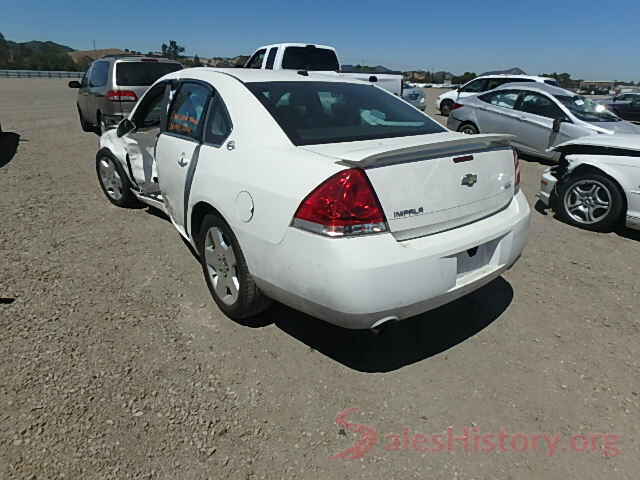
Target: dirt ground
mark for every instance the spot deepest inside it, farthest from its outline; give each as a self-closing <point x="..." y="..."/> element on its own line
<point x="115" y="363"/>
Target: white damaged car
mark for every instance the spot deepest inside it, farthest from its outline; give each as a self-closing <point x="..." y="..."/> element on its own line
<point x="596" y="184"/>
<point x="327" y="194"/>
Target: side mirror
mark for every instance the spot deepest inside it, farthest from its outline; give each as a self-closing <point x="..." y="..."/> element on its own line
<point x="74" y="84"/>
<point x="557" y="122"/>
<point x="373" y="79"/>
<point x="124" y="127"/>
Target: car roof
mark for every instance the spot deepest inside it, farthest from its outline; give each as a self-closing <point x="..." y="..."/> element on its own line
<point x="248" y="75"/>
<point x="285" y="45"/>
<point x="137" y="58"/>
<point x="536" y="87"/>
<point x="535" y="78"/>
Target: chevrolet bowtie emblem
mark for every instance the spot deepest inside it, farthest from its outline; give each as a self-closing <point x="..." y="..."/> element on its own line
<point x="469" y="179"/>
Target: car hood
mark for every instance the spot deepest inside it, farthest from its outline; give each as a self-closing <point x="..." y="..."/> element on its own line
<point x="617" y="127"/>
<point x="627" y="142"/>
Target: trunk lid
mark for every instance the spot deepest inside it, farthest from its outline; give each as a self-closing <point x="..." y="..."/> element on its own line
<point x="431" y="183"/>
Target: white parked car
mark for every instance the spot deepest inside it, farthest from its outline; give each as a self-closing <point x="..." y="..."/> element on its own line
<point x="332" y="196"/>
<point x="483" y="84"/>
<point x="595" y="185"/>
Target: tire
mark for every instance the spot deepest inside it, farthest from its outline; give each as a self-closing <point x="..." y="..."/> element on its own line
<point x="83" y="123"/>
<point x="114" y="182"/>
<point x="469" y="129"/>
<point x="591" y="201"/>
<point x="101" y="126"/>
<point x="226" y="273"/>
<point x="445" y="107"/>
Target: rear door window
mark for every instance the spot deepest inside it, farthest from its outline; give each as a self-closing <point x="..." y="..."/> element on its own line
<point x="142" y="74"/>
<point x="99" y="74"/>
<point x="271" y="58"/>
<point x="218" y="122"/>
<point x="475" y="86"/>
<point x="310" y="58"/>
<point x="188" y="110"/>
<point x="256" y="60"/>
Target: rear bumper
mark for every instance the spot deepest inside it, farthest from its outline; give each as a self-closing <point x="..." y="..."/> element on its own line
<point x="357" y="282"/>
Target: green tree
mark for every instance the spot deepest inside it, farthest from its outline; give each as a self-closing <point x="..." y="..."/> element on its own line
<point x="196" y="61"/>
<point x="172" y="50"/>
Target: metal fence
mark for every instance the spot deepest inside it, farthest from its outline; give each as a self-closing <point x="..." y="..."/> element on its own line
<point x="39" y="74"/>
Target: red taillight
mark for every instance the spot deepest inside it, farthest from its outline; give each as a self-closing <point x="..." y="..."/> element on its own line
<point x="456" y="105"/>
<point x="122" y="96"/>
<point x="516" y="165"/>
<point x="345" y="204"/>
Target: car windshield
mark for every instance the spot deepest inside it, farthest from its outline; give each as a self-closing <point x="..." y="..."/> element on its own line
<point x="552" y="82"/>
<point x="586" y="109"/>
<point x="313" y="113"/>
<point x="142" y="74"/>
<point x="310" y="58"/>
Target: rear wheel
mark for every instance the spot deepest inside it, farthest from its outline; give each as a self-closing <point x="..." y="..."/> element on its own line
<point x="591" y="201"/>
<point x="114" y="182"/>
<point x="445" y="107"/>
<point x="469" y="129"/>
<point x="101" y="126"/>
<point x="225" y="271"/>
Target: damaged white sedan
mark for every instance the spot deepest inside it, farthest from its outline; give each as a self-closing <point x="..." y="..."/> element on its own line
<point x="596" y="184"/>
<point x="327" y="194"/>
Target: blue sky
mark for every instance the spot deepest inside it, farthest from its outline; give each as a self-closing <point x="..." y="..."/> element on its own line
<point x="590" y="40"/>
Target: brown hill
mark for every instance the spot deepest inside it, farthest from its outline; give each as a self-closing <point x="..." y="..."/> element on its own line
<point x="82" y="55"/>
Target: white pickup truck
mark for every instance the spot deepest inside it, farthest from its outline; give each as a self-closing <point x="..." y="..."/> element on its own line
<point x="315" y="58"/>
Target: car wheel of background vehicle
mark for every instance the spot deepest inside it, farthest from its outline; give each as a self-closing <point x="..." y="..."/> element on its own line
<point x="83" y="123"/>
<point x="445" y="107"/>
<point x="468" y="129"/>
<point x="114" y="182"/>
<point x="591" y="201"/>
<point x="101" y="126"/>
<point x="226" y="272"/>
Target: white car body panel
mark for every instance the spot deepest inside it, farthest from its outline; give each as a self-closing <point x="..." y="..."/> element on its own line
<point x="625" y="170"/>
<point x="257" y="182"/>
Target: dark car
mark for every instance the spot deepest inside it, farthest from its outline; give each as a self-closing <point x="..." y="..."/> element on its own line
<point x="626" y="106"/>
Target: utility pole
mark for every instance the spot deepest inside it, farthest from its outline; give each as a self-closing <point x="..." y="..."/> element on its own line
<point x="94" y="45"/>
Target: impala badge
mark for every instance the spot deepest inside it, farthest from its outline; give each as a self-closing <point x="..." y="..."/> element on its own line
<point x="469" y="179"/>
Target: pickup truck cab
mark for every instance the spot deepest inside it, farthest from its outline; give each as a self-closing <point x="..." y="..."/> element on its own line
<point x="316" y="58"/>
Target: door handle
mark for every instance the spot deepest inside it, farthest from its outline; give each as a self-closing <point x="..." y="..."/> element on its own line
<point x="182" y="161"/>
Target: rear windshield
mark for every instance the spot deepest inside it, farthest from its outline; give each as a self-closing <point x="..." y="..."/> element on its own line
<point x="142" y="74"/>
<point x="552" y="82"/>
<point x="310" y="58"/>
<point x="313" y="113"/>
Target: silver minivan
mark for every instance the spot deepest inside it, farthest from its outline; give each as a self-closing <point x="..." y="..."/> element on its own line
<point x="112" y="85"/>
<point x="540" y="116"/>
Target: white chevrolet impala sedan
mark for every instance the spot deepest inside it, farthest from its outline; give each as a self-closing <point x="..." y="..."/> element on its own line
<point x="329" y="195"/>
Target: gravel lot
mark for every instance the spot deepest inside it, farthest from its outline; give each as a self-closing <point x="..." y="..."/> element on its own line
<point x="115" y="363"/>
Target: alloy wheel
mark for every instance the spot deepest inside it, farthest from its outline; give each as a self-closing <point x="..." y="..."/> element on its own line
<point x="110" y="178"/>
<point x="222" y="266"/>
<point x="587" y="201"/>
